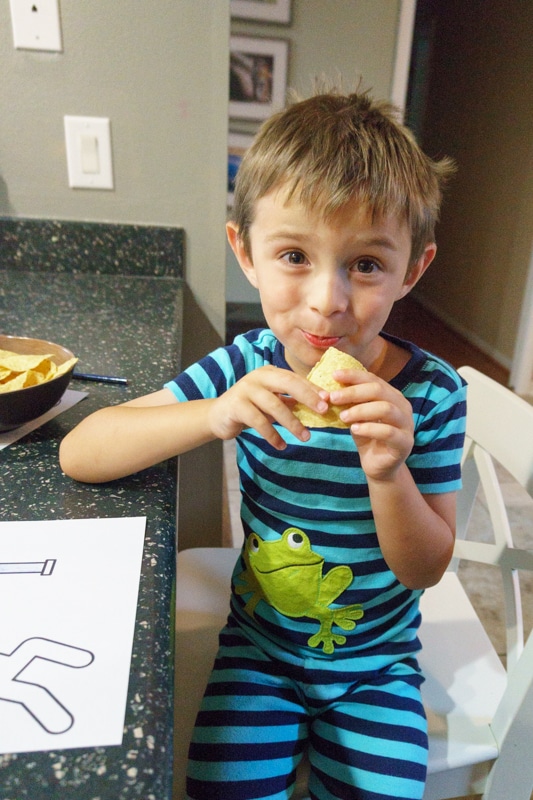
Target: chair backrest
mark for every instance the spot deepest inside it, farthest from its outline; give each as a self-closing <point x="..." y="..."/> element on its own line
<point x="499" y="429"/>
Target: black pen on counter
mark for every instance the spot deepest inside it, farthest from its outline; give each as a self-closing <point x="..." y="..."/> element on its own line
<point x="87" y="376"/>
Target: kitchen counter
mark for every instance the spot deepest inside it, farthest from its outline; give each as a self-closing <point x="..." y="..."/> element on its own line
<point x="117" y="324"/>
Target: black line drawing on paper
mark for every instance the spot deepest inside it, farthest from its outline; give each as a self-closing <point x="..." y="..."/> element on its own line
<point x="39" y="567"/>
<point x="37" y="700"/>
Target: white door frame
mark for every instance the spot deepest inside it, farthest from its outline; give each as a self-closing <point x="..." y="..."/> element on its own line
<point x="521" y="379"/>
<point x="402" y="56"/>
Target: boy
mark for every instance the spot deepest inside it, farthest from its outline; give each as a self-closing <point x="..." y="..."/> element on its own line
<point x="335" y="207"/>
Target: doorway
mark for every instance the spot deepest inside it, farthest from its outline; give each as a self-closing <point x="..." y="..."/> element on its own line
<point x="470" y="96"/>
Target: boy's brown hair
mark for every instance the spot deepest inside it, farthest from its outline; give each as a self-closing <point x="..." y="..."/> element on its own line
<point x="332" y="148"/>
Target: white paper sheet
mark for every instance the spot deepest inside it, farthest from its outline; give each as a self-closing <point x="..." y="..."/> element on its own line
<point x="70" y="398"/>
<point x="68" y="601"/>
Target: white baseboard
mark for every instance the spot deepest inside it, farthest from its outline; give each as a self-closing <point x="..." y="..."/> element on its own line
<point x="463" y="331"/>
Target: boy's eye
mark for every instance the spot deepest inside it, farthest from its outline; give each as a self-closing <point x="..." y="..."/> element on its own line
<point x="366" y="266"/>
<point x="294" y="257"/>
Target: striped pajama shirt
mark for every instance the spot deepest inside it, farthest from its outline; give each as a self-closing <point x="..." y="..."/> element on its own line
<point x="319" y="652"/>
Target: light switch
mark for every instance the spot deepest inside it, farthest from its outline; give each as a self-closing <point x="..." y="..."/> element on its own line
<point x="89" y="160"/>
<point x="90" y="163"/>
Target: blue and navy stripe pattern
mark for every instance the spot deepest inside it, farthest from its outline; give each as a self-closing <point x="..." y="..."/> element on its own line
<point x="320" y="488"/>
<point x="366" y="739"/>
<point x="356" y="710"/>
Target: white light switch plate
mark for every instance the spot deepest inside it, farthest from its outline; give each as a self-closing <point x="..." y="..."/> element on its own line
<point x="89" y="160"/>
<point x="36" y="24"/>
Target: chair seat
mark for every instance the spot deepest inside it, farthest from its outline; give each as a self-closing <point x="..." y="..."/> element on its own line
<point x="463" y="686"/>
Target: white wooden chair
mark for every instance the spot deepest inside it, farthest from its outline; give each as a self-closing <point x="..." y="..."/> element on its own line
<point x="480" y="713"/>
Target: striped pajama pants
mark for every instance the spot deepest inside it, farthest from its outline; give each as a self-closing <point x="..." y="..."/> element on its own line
<point x="365" y="739"/>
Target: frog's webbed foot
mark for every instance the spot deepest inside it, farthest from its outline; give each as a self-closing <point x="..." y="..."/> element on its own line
<point x="326" y="638"/>
<point x="345" y="617"/>
<point x="325" y="635"/>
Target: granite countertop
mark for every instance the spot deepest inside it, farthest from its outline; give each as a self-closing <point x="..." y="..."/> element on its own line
<point x="117" y="324"/>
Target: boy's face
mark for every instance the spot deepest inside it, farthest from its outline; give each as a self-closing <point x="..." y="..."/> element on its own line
<point x="326" y="283"/>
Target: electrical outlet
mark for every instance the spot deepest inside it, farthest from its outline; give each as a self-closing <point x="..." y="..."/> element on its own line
<point x="36" y="24"/>
<point x="89" y="160"/>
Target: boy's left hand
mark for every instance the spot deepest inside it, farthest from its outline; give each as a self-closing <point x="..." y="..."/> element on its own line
<point x="381" y="421"/>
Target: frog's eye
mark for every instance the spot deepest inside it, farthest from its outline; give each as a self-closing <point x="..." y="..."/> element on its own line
<point x="295" y="540"/>
<point x="253" y="544"/>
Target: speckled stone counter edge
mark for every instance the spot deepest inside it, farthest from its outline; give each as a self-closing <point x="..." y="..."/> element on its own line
<point x="48" y="245"/>
<point x="86" y="250"/>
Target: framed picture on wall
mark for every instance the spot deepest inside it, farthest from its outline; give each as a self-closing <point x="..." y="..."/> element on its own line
<point x="238" y="143"/>
<point x="258" y="76"/>
<point x="262" y="10"/>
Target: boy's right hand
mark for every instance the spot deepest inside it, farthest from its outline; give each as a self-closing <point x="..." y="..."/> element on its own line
<point x="262" y="397"/>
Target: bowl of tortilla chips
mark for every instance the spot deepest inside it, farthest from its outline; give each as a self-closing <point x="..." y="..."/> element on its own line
<point x="34" y="375"/>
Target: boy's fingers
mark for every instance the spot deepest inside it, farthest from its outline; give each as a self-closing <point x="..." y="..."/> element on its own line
<point x="319" y="404"/>
<point x="368" y="390"/>
<point x="283" y="382"/>
<point x="266" y="396"/>
<point x="377" y="411"/>
<point x="284" y="416"/>
<point x="353" y="376"/>
<point x="305" y="392"/>
<point x="269" y="408"/>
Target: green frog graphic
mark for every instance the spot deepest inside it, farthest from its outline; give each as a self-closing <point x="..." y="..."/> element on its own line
<point x="287" y="574"/>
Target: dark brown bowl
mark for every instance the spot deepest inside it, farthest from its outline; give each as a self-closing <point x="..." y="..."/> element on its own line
<point x="24" y="405"/>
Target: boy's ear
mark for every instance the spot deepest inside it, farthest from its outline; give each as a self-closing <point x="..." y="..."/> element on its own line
<point x="241" y="255"/>
<point x="418" y="268"/>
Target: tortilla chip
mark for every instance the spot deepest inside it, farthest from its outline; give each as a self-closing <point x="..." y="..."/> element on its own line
<point x="19" y="363"/>
<point x="17" y="381"/>
<point x="320" y="375"/>
<point x="20" y="371"/>
<point x="62" y="368"/>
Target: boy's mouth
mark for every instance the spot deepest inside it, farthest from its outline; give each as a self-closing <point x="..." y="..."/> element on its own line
<point x="321" y="341"/>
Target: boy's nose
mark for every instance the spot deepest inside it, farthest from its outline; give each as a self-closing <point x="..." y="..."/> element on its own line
<point x="329" y="294"/>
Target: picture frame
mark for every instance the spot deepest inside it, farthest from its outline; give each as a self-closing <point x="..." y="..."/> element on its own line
<point x="262" y="10"/>
<point x="258" y="76"/>
<point x="238" y="143"/>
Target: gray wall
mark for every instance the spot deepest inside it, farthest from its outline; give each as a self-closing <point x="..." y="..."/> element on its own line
<point x="162" y="79"/>
<point x="355" y="39"/>
<point x="159" y="71"/>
